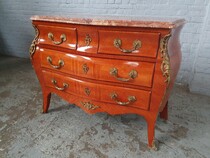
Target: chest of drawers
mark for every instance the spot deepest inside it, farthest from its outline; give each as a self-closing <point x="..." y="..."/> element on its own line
<point x="117" y="66"/>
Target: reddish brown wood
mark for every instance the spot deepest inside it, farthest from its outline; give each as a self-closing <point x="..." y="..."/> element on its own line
<point x="87" y="35"/>
<point x="97" y="91"/>
<point x="149" y="43"/>
<point x="46" y="101"/>
<point x="91" y="87"/>
<point x="164" y="113"/>
<point x="70" y="33"/>
<point x="99" y="68"/>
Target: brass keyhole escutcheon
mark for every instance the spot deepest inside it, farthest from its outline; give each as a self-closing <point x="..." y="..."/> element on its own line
<point x="87" y="91"/>
<point x="85" y="68"/>
<point x="87" y="39"/>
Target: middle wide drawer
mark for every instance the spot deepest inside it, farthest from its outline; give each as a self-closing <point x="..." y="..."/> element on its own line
<point x="112" y="70"/>
<point x="119" y="96"/>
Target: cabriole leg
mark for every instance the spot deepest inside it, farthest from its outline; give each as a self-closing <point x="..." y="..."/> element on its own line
<point x="46" y="101"/>
<point x="152" y="143"/>
<point x="164" y="113"/>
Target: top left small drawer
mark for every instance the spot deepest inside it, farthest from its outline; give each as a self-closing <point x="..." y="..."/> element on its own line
<point x="58" y="36"/>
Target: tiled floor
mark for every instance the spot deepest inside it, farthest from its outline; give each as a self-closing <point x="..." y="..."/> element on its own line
<point x="66" y="131"/>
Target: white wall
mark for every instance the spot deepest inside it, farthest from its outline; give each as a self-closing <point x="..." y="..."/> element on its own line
<point x="200" y="82"/>
<point x="16" y="32"/>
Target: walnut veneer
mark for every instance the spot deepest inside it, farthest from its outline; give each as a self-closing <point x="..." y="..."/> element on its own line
<point x="115" y="65"/>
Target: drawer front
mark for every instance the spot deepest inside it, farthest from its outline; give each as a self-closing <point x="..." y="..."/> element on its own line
<point x="58" y="36"/>
<point x="129" y="72"/>
<point x="87" y="41"/>
<point x="67" y="63"/>
<point x="119" y="96"/>
<point x="71" y="85"/>
<point x="129" y="43"/>
<point x="122" y="96"/>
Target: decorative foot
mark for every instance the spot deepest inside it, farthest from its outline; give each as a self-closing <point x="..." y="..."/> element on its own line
<point x="44" y="112"/>
<point x="155" y="145"/>
<point x="151" y="134"/>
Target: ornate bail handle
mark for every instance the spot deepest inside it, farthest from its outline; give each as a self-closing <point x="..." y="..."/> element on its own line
<point x="62" y="38"/>
<point x="131" y="99"/>
<point x="132" y="75"/>
<point x="60" y="63"/>
<point x="118" y="44"/>
<point x="65" y="85"/>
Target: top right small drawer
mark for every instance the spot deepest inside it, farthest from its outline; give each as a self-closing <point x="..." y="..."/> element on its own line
<point x="129" y="43"/>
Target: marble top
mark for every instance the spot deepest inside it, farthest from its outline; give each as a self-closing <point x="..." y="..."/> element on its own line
<point x="115" y="21"/>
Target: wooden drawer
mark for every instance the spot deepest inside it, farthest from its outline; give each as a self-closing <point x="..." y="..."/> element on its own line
<point x="73" y="86"/>
<point x="87" y="41"/>
<point x="99" y="92"/>
<point x="129" y="43"/>
<point x="129" y="72"/>
<point x="58" y="36"/>
<point x="122" y="96"/>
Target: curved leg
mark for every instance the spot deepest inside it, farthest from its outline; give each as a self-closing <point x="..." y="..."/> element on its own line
<point x="46" y="101"/>
<point x="152" y="143"/>
<point x="164" y="113"/>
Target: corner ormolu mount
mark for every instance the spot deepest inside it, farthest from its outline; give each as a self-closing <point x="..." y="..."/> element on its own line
<point x="32" y="48"/>
<point x="165" y="65"/>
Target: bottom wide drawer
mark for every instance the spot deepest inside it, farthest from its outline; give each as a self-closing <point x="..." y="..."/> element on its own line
<point x="120" y="96"/>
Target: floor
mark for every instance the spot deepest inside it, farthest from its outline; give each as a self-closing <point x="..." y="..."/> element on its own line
<point x="66" y="131"/>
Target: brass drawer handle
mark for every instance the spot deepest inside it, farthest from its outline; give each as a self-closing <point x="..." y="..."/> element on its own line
<point x="132" y="75"/>
<point x="60" y="63"/>
<point x="118" y="44"/>
<point x="131" y="99"/>
<point x="62" y="37"/>
<point x="65" y="85"/>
